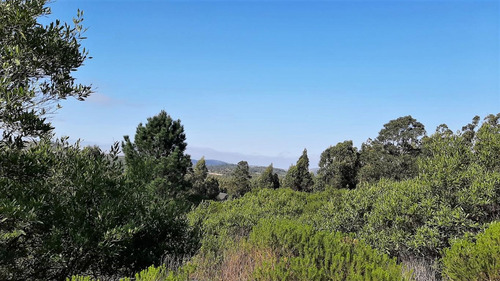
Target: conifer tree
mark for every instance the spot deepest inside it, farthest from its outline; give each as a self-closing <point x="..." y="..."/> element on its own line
<point x="298" y="176"/>
<point x="200" y="172"/>
<point x="157" y="158"/>
<point x="269" y="180"/>
<point x="240" y="180"/>
<point x="204" y="187"/>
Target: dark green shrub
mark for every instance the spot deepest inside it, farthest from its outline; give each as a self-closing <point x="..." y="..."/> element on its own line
<point x="67" y="210"/>
<point x="64" y="210"/>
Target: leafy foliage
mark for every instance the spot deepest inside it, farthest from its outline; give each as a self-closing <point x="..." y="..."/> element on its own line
<point x="338" y="166"/>
<point x="63" y="210"/>
<point x="487" y="143"/>
<point x="36" y="67"/>
<point x="394" y="152"/>
<point x="402" y="136"/>
<point x="221" y="222"/>
<point x="67" y="210"/>
<point x="204" y="187"/>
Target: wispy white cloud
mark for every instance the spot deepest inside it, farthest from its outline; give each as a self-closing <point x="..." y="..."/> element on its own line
<point x="101" y="99"/>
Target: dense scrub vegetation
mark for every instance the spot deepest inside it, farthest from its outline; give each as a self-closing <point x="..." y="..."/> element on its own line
<point x="474" y="258"/>
<point x="405" y="206"/>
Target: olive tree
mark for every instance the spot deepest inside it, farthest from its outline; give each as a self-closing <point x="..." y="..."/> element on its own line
<point x="36" y="68"/>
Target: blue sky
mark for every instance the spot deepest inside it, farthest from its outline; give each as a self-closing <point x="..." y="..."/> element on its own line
<point x="262" y="80"/>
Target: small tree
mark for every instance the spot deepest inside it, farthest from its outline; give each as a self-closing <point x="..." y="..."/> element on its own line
<point x="469" y="130"/>
<point x="487" y="143"/>
<point x="200" y="173"/>
<point x="339" y="165"/>
<point x="298" y="176"/>
<point x="240" y="180"/>
<point x="204" y="187"/>
<point x="269" y="180"/>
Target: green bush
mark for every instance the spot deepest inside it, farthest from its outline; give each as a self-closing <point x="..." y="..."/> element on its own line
<point x="386" y="214"/>
<point x="306" y="254"/>
<point x="151" y="273"/>
<point x="470" y="260"/>
<point x="64" y="210"/>
<point x="487" y="143"/>
<point x="67" y="210"/>
<point x="457" y="191"/>
<point x="237" y="217"/>
<point x="221" y="224"/>
<point x="397" y="212"/>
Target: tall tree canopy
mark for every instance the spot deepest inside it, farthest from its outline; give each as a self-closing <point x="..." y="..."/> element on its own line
<point x="487" y="142"/>
<point x="394" y="152"/>
<point x="402" y="136"/>
<point x="36" y="65"/>
<point x="156" y="164"/>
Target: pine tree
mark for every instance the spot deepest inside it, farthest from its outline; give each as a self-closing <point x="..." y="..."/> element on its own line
<point x="156" y="157"/>
<point x="156" y="164"/>
<point x="200" y="173"/>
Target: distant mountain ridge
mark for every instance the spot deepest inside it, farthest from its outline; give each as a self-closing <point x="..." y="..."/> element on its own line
<point x="224" y="168"/>
<point x="211" y="162"/>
